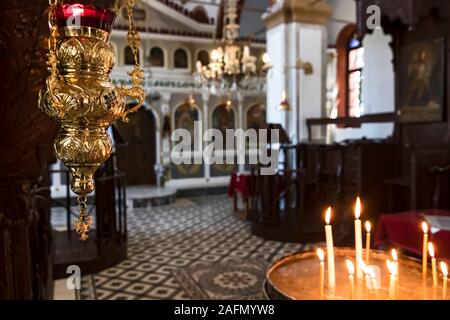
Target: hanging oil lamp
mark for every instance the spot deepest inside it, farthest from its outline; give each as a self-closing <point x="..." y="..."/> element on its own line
<point x="79" y="94"/>
<point x="284" y="104"/>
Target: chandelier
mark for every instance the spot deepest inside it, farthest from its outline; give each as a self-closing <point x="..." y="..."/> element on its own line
<point x="231" y="63"/>
<point x="79" y="95"/>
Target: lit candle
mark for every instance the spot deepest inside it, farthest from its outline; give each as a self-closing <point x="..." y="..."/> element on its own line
<point x="368" y="229"/>
<point x="444" y="271"/>
<point x="358" y="239"/>
<point x="395" y="259"/>
<point x="425" y="250"/>
<point x="330" y="249"/>
<point x="351" y="276"/>
<point x="392" y="269"/>
<point x="321" y="256"/>
<point x="397" y="268"/>
<point x="433" y="264"/>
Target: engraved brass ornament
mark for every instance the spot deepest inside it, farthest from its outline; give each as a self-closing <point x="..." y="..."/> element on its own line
<point x="80" y="96"/>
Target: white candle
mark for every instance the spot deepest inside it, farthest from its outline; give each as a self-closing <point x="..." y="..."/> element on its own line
<point x="425" y="250"/>
<point x="392" y="269"/>
<point x="444" y="271"/>
<point x="433" y="264"/>
<point x="358" y="239"/>
<point x="368" y="229"/>
<point x="330" y="250"/>
<point x="351" y="274"/>
<point x="395" y="259"/>
<point x="321" y="256"/>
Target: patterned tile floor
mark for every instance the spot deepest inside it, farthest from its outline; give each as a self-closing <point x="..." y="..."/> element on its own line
<point x="169" y="239"/>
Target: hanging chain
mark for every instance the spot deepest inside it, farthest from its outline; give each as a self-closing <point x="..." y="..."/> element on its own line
<point x="83" y="224"/>
<point x="134" y="40"/>
<point x="52" y="59"/>
<point x="137" y="75"/>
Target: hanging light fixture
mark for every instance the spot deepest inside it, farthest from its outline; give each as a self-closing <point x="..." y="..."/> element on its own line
<point x="78" y="93"/>
<point x="231" y="62"/>
<point x="284" y="104"/>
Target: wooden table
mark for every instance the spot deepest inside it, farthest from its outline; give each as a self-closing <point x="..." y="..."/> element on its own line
<point x="240" y="184"/>
<point x="403" y="230"/>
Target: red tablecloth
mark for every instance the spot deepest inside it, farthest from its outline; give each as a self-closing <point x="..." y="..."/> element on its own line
<point x="239" y="183"/>
<point x="403" y="230"/>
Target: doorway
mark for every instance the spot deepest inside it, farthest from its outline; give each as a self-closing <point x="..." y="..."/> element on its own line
<point x="137" y="156"/>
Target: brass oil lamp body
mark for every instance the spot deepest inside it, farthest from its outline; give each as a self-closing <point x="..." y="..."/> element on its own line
<point x="79" y="94"/>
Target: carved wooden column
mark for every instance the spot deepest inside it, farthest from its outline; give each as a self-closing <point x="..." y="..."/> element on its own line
<point x="26" y="135"/>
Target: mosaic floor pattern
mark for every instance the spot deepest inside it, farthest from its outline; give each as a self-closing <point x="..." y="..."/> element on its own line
<point x="192" y="249"/>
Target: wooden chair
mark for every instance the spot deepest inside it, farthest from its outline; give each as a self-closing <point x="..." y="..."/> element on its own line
<point x="441" y="190"/>
<point x="277" y="207"/>
<point x="420" y="178"/>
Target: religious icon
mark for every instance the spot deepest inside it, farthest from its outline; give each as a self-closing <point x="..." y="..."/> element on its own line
<point x="422" y="81"/>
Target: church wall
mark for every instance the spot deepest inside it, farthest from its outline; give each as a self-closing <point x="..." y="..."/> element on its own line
<point x="344" y="12"/>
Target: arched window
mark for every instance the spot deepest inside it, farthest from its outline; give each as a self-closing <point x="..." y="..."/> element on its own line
<point x="355" y="77"/>
<point x="156" y="57"/>
<point x="203" y="57"/>
<point x="350" y="73"/>
<point x="128" y="56"/>
<point x="199" y="14"/>
<point x="180" y="59"/>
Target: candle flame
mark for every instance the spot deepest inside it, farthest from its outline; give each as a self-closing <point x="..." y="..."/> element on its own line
<point x="431" y="249"/>
<point x="358" y="208"/>
<point x="328" y="216"/>
<point x="350" y="267"/>
<point x="320" y="254"/>
<point x="425" y="227"/>
<point x="283" y="95"/>
<point x="391" y="267"/>
<point x="444" y="269"/>
<point x="394" y="255"/>
<point x="368" y="226"/>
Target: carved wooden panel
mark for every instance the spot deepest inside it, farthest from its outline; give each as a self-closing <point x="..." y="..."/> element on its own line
<point x="26" y="135"/>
